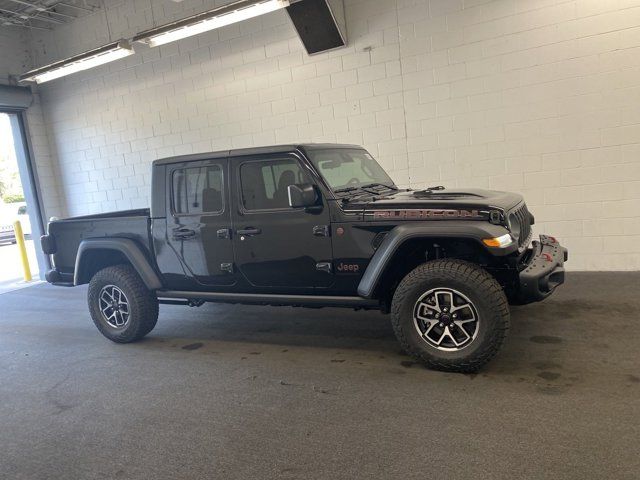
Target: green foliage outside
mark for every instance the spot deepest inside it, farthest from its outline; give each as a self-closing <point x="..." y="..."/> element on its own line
<point x="13" y="198"/>
<point x="10" y="184"/>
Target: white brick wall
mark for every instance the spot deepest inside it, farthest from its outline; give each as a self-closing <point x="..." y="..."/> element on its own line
<point x="536" y="96"/>
<point x="47" y="171"/>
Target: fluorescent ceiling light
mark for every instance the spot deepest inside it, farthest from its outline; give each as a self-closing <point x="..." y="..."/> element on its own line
<point x="93" y="58"/>
<point x="203" y="22"/>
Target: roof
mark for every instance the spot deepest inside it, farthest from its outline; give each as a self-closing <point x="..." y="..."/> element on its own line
<point x="244" y="152"/>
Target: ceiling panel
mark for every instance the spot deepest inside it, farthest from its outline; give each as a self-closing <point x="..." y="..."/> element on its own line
<point x="42" y="14"/>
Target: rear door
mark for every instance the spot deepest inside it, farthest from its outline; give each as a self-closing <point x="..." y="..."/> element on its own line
<point x="199" y="220"/>
<point x="275" y="245"/>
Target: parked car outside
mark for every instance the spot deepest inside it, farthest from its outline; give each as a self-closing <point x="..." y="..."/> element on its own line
<point x="22" y="215"/>
<point x="7" y="233"/>
<point x="10" y="212"/>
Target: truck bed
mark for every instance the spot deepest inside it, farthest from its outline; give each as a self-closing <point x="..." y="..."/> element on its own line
<point x="68" y="233"/>
<point x="140" y="212"/>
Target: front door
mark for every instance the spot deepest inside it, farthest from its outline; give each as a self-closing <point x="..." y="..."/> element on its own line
<point x="199" y="223"/>
<point x="275" y="245"/>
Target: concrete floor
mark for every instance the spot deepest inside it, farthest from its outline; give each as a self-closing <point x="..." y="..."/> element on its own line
<point x="235" y="392"/>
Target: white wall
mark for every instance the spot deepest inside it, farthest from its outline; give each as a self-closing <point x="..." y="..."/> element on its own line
<point x="47" y="169"/>
<point x="536" y="96"/>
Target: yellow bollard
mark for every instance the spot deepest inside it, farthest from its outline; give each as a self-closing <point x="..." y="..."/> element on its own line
<point x="17" y="227"/>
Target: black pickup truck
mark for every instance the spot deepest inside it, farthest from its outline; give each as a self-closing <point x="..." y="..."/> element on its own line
<point x="312" y="226"/>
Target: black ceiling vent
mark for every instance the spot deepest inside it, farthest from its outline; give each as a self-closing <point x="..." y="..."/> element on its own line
<point x="320" y="24"/>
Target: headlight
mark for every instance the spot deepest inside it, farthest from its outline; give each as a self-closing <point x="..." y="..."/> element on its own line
<point x="498" y="242"/>
<point x="513" y="224"/>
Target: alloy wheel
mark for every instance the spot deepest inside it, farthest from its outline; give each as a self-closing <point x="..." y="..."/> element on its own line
<point x="446" y="319"/>
<point x="114" y="306"/>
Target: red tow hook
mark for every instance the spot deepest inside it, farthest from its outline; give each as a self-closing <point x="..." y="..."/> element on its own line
<point x="547" y="257"/>
<point x="553" y="239"/>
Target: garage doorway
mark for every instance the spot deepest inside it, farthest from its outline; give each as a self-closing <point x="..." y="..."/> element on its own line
<point x="18" y="202"/>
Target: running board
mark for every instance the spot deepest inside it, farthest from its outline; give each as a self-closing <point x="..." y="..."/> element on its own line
<point x="270" y="299"/>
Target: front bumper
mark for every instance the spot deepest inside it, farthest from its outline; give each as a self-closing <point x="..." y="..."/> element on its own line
<point x="544" y="270"/>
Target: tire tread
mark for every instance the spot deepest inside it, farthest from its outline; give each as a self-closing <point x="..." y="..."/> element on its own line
<point x="479" y="279"/>
<point x="146" y="303"/>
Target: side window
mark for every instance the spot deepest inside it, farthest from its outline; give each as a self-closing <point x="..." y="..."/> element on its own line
<point x="198" y="190"/>
<point x="264" y="184"/>
<point x="22" y="210"/>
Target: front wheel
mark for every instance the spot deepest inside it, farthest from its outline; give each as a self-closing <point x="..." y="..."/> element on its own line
<point x="451" y="315"/>
<point x="121" y="306"/>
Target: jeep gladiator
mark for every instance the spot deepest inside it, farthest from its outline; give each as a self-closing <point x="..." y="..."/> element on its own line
<point x="312" y="226"/>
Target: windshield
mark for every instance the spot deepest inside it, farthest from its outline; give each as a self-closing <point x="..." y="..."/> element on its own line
<point x="349" y="169"/>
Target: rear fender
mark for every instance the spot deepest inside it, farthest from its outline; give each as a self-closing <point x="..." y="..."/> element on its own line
<point x="128" y="248"/>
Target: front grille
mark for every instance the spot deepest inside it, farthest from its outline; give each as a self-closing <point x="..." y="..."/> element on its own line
<point x="523" y="218"/>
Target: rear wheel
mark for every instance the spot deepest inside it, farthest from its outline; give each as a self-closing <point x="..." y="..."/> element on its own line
<point x="121" y="306"/>
<point x="451" y="315"/>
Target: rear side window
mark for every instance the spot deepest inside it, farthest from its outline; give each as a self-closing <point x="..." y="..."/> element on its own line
<point x="198" y="190"/>
<point x="265" y="183"/>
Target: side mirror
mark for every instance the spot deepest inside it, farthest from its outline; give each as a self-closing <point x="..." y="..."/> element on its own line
<point x="302" y="195"/>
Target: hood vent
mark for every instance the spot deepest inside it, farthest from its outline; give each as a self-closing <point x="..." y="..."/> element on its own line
<point x="444" y="196"/>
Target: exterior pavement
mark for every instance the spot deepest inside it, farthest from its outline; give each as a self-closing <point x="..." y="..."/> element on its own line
<point x="238" y="392"/>
<point x="11" y="274"/>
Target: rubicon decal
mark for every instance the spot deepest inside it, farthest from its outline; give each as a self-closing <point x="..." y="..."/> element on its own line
<point x="424" y="214"/>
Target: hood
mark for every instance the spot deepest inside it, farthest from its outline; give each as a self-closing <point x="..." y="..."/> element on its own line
<point x="468" y="202"/>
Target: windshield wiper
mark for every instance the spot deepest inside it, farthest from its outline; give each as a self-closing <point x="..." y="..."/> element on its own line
<point x="353" y="192"/>
<point x="361" y="192"/>
<point x="369" y="185"/>
<point x="346" y="189"/>
<point x="364" y="187"/>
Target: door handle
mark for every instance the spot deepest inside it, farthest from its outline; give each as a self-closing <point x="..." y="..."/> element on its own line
<point x="250" y="231"/>
<point x="224" y="233"/>
<point x="324" y="267"/>
<point x="183" y="234"/>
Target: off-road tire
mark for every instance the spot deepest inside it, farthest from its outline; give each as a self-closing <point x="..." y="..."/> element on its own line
<point x="143" y="304"/>
<point x="482" y="290"/>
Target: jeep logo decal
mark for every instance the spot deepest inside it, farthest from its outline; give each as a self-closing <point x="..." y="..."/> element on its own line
<point x="423" y="214"/>
<point x="348" y="267"/>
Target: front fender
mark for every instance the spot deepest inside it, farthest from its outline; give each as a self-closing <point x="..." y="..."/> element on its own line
<point x="466" y="229"/>
<point x="129" y="248"/>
